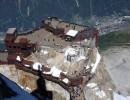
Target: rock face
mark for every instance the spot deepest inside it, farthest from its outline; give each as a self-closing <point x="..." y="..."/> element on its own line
<point x="117" y="60"/>
<point x="99" y="86"/>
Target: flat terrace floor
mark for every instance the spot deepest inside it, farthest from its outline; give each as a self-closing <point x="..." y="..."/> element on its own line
<point x="44" y="38"/>
<point x="65" y="25"/>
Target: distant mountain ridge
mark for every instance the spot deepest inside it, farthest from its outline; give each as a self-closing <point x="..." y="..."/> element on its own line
<point x="25" y="14"/>
<point x="117" y="38"/>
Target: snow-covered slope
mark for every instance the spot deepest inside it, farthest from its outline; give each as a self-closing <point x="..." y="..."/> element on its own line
<point x="22" y="95"/>
<point x="117" y="60"/>
<point x="120" y="97"/>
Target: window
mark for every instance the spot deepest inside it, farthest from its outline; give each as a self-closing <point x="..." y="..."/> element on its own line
<point x="23" y="48"/>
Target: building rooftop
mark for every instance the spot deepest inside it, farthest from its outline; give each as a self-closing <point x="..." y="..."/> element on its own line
<point x="72" y="33"/>
<point x="11" y="30"/>
<point x="43" y="37"/>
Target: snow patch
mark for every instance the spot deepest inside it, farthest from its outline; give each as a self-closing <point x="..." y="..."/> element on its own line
<point x="91" y="85"/>
<point x="70" y="51"/>
<point x="65" y="80"/>
<point x="55" y="72"/>
<point x="47" y="72"/>
<point x="110" y="89"/>
<point x="87" y="67"/>
<point x="41" y="51"/>
<point x="81" y="57"/>
<point x="27" y="65"/>
<point x="44" y="52"/>
<point x="28" y="88"/>
<point x="64" y="73"/>
<point x="100" y="94"/>
<point x="92" y="64"/>
<point x="18" y="58"/>
<point x="95" y="88"/>
<point x="37" y="66"/>
<point x="120" y="97"/>
<point x="98" y="58"/>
